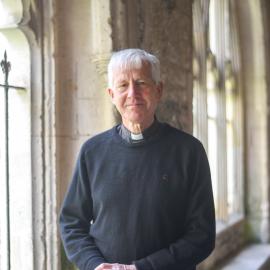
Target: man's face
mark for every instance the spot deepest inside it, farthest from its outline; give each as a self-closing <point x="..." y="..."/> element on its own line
<point x="135" y="95"/>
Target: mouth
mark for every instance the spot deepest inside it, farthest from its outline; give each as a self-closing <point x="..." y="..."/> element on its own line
<point x="134" y="105"/>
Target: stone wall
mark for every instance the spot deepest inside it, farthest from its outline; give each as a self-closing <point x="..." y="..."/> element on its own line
<point x="83" y="108"/>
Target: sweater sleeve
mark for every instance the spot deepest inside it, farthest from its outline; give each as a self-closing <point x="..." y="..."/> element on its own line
<point x="198" y="241"/>
<point x="75" y="218"/>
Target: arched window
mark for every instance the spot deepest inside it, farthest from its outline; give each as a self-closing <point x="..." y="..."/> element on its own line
<point x="218" y="120"/>
<point x="15" y="146"/>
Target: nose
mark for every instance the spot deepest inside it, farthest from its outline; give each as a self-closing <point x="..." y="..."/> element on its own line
<point x="132" y="90"/>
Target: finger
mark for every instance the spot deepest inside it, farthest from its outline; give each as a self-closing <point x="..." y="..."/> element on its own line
<point x="116" y="266"/>
<point x="104" y="266"/>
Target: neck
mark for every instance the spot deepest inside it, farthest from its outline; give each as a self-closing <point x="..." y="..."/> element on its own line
<point x="136" y="128"/>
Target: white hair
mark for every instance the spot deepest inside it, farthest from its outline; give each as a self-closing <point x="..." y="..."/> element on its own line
<point x="133" y="59"/>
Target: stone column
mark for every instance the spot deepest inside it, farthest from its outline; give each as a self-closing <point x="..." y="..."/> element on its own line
<point x="200" y="19"/>
<point x="219" y="50"/>
<point x="256" y="114"/>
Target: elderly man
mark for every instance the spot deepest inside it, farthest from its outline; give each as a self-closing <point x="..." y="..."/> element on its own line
<point x="141" y="195"/>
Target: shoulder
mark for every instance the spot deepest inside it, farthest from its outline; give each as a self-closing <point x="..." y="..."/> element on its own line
<point x="186" y="147"/>
<point x="98" y="141"/>
<point x="182" y="143"/>
<point x="180" y="136"/>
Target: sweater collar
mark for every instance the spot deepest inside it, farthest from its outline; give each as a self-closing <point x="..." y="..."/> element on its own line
<point x="139" y="138"/>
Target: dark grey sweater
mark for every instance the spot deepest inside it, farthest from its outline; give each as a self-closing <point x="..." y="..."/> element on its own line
<point x="148" y="203"/>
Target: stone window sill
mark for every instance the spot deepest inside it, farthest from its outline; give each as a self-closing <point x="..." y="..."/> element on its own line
<point x="253" y="257"/>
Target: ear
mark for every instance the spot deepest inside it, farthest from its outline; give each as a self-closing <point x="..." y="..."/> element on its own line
<point x="111" y="94"/>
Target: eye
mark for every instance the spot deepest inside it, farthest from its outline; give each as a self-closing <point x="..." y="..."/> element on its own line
<point x="121" y="87"/>
<point x="140" y="82"/>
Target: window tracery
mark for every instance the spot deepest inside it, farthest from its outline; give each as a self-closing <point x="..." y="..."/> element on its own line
<point x="217" y="90"/>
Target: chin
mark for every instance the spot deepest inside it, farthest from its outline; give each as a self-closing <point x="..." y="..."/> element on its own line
<point x="137" y="118"/>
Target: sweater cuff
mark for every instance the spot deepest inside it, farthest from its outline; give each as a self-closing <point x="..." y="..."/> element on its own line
<point x="94" y="263"/>
<point x="143" y="264"/>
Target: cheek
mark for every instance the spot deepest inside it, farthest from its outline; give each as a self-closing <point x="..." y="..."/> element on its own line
<point x="151" y="99"/>
<point x="119" y="101"/>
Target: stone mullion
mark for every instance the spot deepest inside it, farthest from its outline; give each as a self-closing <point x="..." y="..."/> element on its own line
<point x="238" y="111"/>
<point x="222" y="208"/>
<point x="200" y="89"/>
<point x="119" y="13"/>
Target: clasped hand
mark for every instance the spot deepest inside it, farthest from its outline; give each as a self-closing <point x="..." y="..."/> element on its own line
<point x="115" y="266"/>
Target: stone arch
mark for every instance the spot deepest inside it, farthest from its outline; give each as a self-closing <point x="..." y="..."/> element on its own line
<point x="33" y="23"/>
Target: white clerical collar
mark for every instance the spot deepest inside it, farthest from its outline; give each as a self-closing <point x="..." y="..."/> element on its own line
<point x="136" y="137"/>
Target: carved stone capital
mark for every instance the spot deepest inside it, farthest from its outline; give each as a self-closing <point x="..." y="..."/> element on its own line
<point x="101" y="63"/>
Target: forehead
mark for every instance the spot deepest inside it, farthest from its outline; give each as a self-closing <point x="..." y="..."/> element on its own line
<point x="124" y="73"/>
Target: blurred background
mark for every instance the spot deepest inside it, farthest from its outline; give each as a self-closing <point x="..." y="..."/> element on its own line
<point x="215" y="57"/>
